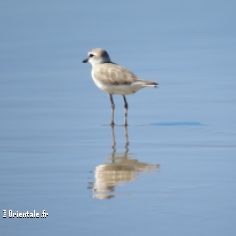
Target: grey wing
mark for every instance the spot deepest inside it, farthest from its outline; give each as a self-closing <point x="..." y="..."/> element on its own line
<point x="110" y="73"/>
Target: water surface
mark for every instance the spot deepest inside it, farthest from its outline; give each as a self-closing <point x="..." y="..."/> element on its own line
<point x="172" y="172"/>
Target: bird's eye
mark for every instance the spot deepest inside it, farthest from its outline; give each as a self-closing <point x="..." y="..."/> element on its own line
<point x="91" y="55"/>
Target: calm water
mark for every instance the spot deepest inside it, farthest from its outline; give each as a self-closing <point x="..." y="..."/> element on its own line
<point x="172" y="172"/>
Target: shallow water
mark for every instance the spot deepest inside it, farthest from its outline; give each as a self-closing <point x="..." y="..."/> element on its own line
<point x="171" y="172"/>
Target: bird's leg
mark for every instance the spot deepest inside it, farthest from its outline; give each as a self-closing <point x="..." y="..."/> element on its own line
<point x="125" y="110"/>
<point x="113" y="110"/>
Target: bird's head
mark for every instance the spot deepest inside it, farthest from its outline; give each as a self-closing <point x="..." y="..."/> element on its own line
<point x="97" y="56"/>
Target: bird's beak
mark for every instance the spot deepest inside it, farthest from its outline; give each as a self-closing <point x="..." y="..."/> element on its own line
<point x="85" y="60"/>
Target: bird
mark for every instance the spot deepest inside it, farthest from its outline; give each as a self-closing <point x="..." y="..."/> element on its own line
<point x="114" y="79"/>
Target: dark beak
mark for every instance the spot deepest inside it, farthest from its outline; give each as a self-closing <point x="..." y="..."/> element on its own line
<point x="85" y="60"/>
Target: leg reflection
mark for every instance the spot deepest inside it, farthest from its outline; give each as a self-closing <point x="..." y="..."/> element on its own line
<point x="121" y="168"/>
<point x="126" y="139"/>
<point x="113" y="139"/>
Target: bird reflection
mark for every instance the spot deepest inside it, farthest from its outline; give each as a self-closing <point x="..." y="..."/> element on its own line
<point x="121" y="168"/>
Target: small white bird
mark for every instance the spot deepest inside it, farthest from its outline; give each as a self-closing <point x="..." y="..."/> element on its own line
<point x="114" y="79"/>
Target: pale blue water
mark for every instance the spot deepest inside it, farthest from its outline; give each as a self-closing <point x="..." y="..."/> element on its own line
<point x="176" y="176"/>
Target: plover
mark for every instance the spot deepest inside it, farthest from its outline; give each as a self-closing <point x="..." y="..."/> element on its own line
<point x="114" y="79"/>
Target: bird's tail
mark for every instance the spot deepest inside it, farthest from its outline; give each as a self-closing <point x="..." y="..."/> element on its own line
<point x="147" y="83"/>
